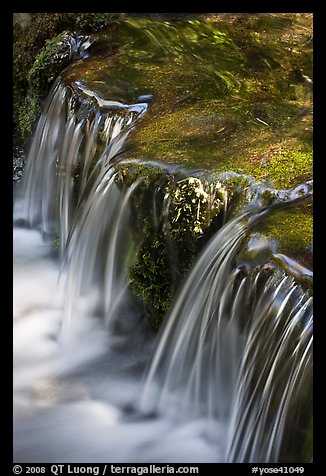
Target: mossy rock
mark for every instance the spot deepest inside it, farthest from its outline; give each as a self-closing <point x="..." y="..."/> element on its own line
<point x="40" y="52"/>
<point x="212" y="107"/>
<point x="238" y="124"/>
<point x="285" y="238"/>
<point x="56" y="55"/>
<point x="293" y="229"/>
<point x="53" y="58"/>
<point x="174" y="215"/>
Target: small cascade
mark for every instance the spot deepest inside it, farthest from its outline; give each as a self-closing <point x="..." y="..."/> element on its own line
<point x="236" y="347"/>
<point x="69" y="190"/>
<point x="34" y="205"/>
<point x="97" y="263"/>
<point x="274" y="376"/>
<point x="187" y="337"/>
<point x="77" y="137"/>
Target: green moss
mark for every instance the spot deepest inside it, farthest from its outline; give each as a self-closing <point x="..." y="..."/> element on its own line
<point x="27" y="113"/>
<point x="149" y="273"/>
<point x="288" y="168"/>
<point x="150" y="278"/>
<point x="129" y="172"/>
<point x="47" y="65"/>
<point x="49" y="62"/>
<point x="291" y="229"/>
<point x="34" y="69"/>
<point x="268" y="105"/>
<point x="227" y="134"/>
<point x="173" y="218"/>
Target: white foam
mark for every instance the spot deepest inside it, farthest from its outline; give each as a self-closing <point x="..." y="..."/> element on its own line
<point x="70" y="394"/>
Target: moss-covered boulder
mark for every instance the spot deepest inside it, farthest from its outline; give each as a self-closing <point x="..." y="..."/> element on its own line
<point x="174" y="215"/>
<point x="253" y="116"/>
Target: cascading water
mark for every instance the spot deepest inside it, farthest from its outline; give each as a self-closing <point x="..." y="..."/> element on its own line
<point x="75" y="135"/>
<point x="231" y="375"/>
<point x="208" y="360"/>
<point x="66" y="150"/>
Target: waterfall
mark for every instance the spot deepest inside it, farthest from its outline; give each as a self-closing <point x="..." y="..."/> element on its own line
<point x="269" y="389"/>
<point x="77" y="137"/>
<point x="98" y="262"/>
<point x="235" y="348"/>
<point x="69" y="189"/>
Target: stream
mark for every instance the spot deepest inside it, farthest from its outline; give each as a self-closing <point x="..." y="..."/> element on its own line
<point x="227" y="378"/>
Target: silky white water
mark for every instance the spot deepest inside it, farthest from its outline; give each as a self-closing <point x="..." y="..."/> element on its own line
<point x="73" y="400"/>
